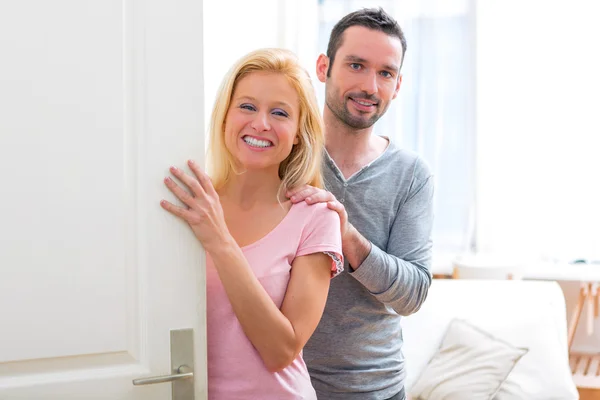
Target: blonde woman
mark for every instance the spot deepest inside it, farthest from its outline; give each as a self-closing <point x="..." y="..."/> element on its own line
<point x="269" y="262"/>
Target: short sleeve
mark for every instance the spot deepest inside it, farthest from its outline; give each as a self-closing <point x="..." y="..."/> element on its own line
<point x="321" y="234"/>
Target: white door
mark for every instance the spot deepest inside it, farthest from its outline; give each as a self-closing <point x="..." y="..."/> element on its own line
<point x="97" y="99"/>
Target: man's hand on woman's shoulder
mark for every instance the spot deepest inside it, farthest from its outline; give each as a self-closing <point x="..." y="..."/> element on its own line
<point x="313" y="195"/>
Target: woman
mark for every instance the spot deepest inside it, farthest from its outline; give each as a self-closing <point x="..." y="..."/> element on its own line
<point x="268" y="262"/>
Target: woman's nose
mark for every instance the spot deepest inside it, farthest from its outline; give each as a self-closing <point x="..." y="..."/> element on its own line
<point x="260" y="123"/>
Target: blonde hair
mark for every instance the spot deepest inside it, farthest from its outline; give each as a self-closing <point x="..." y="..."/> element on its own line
<point x="303" y="165"/>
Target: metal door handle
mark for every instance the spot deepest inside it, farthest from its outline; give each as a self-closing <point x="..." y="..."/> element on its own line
<point x="183" y="372"/>
<point x="182" y="365"/>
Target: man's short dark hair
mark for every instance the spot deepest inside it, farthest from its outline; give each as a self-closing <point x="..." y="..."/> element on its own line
<point x="372" y="18"/>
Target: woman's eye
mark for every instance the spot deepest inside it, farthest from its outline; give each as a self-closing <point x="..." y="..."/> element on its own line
<point x="280" y="113"/>
<point x="249" y="107"/>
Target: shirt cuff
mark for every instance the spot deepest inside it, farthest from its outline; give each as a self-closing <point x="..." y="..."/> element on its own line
<point x="368" y="274"/>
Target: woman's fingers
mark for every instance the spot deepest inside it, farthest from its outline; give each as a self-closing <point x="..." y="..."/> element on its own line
<point x="176" y="210"/>
<point x="190" y="182"/>
<point x="202" y="177"/>
<point x="181" y="194"/>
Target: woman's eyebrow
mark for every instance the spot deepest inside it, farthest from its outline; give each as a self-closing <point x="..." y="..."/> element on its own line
<point x="279" y="103"/>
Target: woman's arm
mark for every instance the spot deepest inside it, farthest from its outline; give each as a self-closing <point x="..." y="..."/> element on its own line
<point x="278" y="335"/>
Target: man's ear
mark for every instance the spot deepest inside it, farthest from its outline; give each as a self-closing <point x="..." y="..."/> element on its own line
<point x="322" y="67"/>
<point x="397" y="86"/>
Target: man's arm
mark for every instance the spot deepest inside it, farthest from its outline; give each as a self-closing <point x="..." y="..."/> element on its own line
<point x="356" y="247"/>
<point x="399" y="276"/>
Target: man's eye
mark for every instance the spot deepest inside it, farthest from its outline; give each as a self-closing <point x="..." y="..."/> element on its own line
<point x="249" y="107"/>
<point x="355" y="66"/>
<point x="386" y="74"/>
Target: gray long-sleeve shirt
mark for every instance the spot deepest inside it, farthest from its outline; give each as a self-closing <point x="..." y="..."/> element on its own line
<point x="355" y="352"/>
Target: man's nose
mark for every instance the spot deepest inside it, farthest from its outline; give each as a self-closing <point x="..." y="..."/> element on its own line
<point x="260" y="123"/>
<point x="369" y="83"/>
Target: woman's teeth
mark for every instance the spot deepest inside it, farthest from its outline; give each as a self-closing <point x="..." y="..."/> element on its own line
<point x="257" y="142"/>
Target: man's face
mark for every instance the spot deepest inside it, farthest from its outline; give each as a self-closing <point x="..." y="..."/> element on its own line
<point x="364" y="77"/>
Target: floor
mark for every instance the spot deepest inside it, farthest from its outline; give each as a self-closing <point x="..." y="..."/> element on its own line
<point x="586" y="372"/>
<point x="589" y="394"/>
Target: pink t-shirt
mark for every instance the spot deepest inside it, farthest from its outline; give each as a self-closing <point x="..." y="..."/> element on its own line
<point x="235" y="369"/>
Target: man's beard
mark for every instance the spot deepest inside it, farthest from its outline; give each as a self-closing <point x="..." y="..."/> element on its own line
<point x="340" y="110"/>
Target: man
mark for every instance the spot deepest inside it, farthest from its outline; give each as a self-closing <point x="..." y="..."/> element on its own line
<point x="384" y="197"/>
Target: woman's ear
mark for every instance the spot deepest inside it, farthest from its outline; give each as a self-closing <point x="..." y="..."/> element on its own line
<point x="296" y="140"/>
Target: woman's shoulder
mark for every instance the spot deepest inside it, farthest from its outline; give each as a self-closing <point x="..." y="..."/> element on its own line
<point x="314" y="214"/>
<point x="312" y="210"/>
<point x="320" y="230"/>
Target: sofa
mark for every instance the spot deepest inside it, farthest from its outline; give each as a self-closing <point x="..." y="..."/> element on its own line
<point x="489" y="339"/>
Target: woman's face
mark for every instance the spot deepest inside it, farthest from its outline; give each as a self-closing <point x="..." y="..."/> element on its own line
<point x="261" y="125"/>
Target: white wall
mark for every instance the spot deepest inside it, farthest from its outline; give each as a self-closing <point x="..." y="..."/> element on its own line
<point x="538" y="125"/>
<point x="231" y="29"/>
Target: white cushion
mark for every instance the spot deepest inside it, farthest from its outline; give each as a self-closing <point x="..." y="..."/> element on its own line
<point x="527" y="314"/>
<point x="469" y="363"/>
